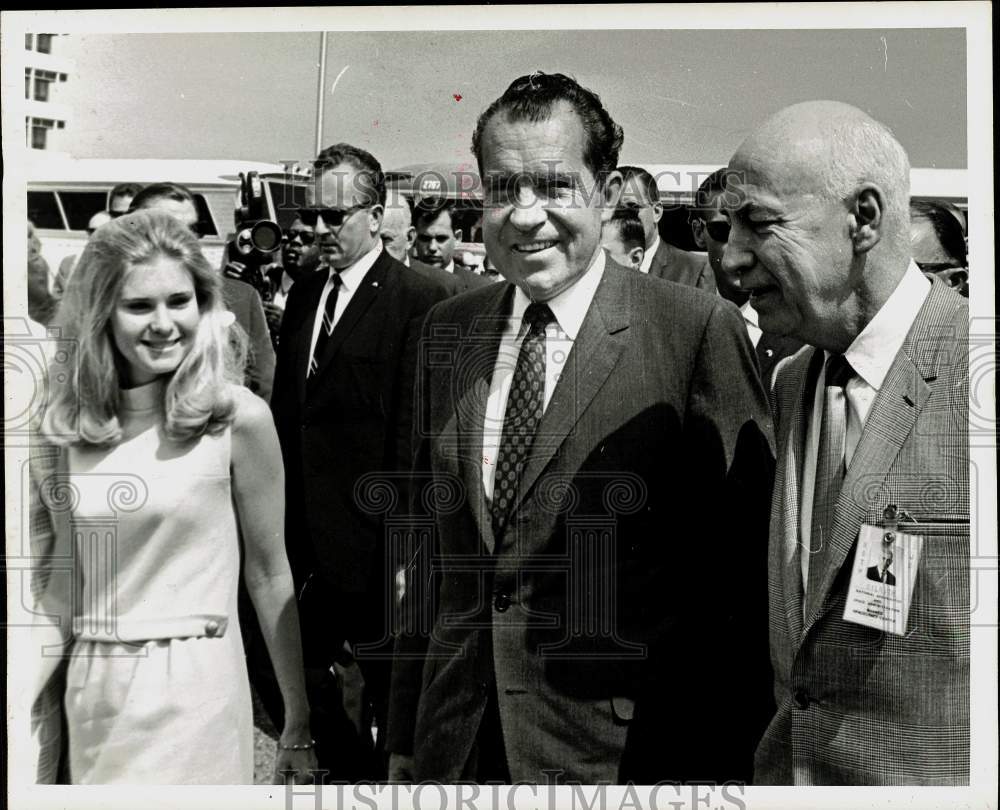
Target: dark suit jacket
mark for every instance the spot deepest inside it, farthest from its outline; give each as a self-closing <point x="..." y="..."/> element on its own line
<point x="350" y="424"/>
<point x="857" y="706"/>
<point x="456" y="283"/>
<point x="673" y="264"/>
<point x="656" y="435"/>
<point x="243" y="301"/>
<point x="875" y="575"/>
<point x="771" y="350"/>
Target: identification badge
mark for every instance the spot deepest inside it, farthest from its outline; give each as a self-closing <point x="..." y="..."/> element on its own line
<point x="885" y="571"/>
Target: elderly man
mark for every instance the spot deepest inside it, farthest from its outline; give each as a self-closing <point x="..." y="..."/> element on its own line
<point x="872" y="424"/>
<point x="587" y="433"/>
<point x="343" y="406"/>
<point x="661" y="259"/>
<point x="710" y="229"/>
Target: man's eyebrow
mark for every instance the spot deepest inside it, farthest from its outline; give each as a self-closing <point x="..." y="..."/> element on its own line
<point x="542" y="178"/>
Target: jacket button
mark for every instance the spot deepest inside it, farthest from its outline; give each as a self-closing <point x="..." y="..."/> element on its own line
<point x="501" y="602"/>
<point x="211" y="628"/>
<point x="801" y="698"/>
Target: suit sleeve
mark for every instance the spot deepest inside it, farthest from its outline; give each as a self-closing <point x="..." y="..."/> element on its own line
<point x="261" y="367"/>
<point x="730" y="448"/>
<point x="418" y="599"/>
<point x="720" y="528"/>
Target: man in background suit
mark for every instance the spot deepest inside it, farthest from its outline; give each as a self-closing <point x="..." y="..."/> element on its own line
<point x="875" y="415"/>
<point x="598" y="431"/>
<point x="342" y="403"/>
<point x="710" y="228"/>
<point x="435" y="243"/>
<point x="661" y="259"/>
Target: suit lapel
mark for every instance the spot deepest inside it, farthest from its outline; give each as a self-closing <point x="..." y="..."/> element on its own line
<point x="368" y="290"/>
<point x="305" y="329"/>
<point x="890" y="422"/>
<point x="595" y="352"/>
<point x="478" y="353"/>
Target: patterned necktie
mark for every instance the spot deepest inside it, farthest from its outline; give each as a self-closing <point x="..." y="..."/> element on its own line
<point x="326" y="329"/>
<point x="831" y="465"/>
<point x="525" y="404"/>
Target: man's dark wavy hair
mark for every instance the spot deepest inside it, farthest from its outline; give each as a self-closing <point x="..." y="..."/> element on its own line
<point x="533" y="98"/>
<point x="369" y="170"/>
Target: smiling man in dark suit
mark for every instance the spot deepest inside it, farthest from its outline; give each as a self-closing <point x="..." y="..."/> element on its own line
<point x="600" y="430"/>
<point x="342" y="403"/>
<point x="875" y="415"/>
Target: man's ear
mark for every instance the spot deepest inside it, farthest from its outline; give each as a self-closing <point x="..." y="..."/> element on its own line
<point x="375" y="215"/>
<point x="866" y="217"/>
<point x="698" y="232"/>
<point x="411" y="237"/>
<point x="636" y="255"/>
<point x="657" y="211"/>
<point x="612" y="194"/>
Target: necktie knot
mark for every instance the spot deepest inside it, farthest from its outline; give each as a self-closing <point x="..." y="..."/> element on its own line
<point x="838" y="371"/>
<point x="335" y="279"/>
<point x="537" y="317"/>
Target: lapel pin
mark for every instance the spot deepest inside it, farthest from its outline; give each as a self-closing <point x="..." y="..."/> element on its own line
<point x="374" y="283"/>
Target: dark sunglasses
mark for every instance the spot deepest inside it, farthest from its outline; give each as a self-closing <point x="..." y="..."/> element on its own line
<point x="332" y="217"/>
<point x="304" y="236"/>
<point x="719" y="231"/>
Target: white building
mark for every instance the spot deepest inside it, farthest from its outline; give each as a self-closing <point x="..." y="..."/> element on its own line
<point x="44" y="71"/>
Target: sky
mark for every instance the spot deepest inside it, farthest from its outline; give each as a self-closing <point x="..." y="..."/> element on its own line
<point x="681" y="96"/>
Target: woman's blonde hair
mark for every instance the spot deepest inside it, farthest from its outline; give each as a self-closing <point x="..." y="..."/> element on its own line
<point x="84" y="389"/>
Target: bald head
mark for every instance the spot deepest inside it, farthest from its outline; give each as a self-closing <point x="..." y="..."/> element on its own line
<point x="820" y="219"/>
<point x="397" y="231"/>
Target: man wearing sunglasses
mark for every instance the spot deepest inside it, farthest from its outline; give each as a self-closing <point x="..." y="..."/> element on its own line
<point x="343" y="406"/>
<point x="661" y="259"/>
<point x="299" y="258"/>
<point x="710" y="228"/>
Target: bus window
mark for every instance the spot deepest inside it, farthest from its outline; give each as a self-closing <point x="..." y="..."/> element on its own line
<point x="43" y="210"/>
<point x="80" y="206"/>
<point x="206" y="226"/>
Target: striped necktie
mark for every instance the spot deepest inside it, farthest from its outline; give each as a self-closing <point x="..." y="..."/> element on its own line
<point x="326" y="328"/>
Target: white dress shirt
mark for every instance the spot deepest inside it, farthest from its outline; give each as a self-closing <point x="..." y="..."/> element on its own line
<point x="647" y="256"/>
<point x="751" y="320"/>
<point x="871" y="355"/>
<point x="281" y="294"/>
<point x="350" y="280"/>
<point x="450" y="268"/>
<point x="569" y="308"/>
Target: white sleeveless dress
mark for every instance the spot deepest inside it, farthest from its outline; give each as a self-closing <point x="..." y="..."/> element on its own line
<point x="157" y="688"/>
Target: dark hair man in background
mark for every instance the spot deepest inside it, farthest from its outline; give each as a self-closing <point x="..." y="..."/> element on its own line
<point x="435" y="243"/>
<point x="662" y="259"/>
<point x="542" y="400"/>
<point x="939" y="242"/>
<point x="120" y="198"/>
<point x="624" y="239"/>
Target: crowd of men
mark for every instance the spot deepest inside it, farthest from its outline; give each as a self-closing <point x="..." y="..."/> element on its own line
<point x="634" y="514"/>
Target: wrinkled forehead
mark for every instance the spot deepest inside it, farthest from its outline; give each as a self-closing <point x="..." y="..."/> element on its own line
<point x="775" y="170"/>
<point x="340" y="186"/>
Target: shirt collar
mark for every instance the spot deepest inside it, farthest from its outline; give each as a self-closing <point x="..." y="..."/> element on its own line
<point x="749" y="313"/>
<point x="571" y="305"/>
<point x="351" y="277"/>
<point x="647" y="257"/>
<point x="286" y="282"/>
<point x="871" y="353"/>
<point x="450" y="267"/>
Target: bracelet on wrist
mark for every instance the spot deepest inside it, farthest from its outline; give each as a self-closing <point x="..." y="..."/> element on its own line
<point x="297" y="746"/>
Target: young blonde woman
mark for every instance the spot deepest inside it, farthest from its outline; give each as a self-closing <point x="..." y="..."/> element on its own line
<point x="152" y="455"/>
